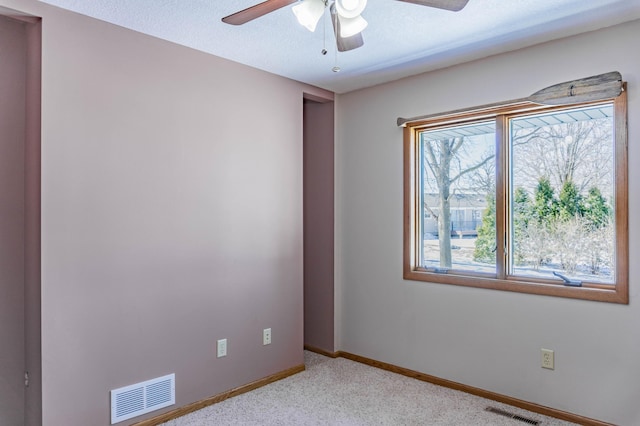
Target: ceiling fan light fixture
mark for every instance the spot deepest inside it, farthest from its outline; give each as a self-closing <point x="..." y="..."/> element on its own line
<point x="351" y="26"/>
<point x="309" y="12"/>
<point x="350" y="8"/>
<point x="343" y="44"/>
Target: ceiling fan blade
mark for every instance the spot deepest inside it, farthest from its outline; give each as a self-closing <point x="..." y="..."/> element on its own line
<point x="253" y="12"/>
<point x="452" y="5"/>
<point x="344" y="43"/>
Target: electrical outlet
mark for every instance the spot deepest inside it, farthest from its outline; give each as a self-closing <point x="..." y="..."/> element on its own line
<point x="547" y="358"/>
<point x="222" y="348"/>
<point x="266" y="336"/>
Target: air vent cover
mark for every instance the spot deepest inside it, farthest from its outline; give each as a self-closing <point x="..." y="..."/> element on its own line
<point x="141" y="398"/>
<point x="512" y="415"/>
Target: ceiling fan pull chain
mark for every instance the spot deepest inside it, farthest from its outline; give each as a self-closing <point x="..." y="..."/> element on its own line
<point x="336" y="68"/>
<point x="324" y="31"/>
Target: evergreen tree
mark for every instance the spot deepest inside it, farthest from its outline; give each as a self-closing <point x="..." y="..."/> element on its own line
<point x="570" y="202"/>
<point x="523" y="214"/>
<point x="485" y="249"/>
<point x="545" y="203"/>
<point x="597" y="211"/>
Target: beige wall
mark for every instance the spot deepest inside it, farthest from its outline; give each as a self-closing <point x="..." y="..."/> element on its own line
<point x="483" y="338"/>
<point x="13" y="60"/>
<point x="171" y="217"/>
<point x="33" y="329"/>
<point x="319" y="225"/>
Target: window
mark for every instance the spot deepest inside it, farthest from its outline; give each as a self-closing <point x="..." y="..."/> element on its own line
<point x="520" y="197"/>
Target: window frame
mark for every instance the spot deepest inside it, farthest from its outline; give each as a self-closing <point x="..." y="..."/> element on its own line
<point x="614" y="293"/>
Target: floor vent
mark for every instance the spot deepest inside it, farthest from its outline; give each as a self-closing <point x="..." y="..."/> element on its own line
<point x="512" y="416"/>
<point x="141" y="398"/>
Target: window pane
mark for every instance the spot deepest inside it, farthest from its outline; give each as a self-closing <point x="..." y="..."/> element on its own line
<point x="457" y="189"/>
<point x="562" y="195"/>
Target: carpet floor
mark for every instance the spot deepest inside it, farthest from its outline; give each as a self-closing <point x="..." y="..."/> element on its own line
<point x="341" y="392"/>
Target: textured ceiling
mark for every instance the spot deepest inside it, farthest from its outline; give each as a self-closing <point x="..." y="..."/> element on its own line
<point x="402" y="38"/>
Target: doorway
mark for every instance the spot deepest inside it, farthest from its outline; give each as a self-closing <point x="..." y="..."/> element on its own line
<point x="20" y="49"/>
<point x="318" y="164"/>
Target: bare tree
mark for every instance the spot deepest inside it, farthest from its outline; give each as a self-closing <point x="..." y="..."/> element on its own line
<point x="568" y="152"/>
<point x="447" y="162"/>
<point x="483" y="179"/>
<point x="460" y="164"/>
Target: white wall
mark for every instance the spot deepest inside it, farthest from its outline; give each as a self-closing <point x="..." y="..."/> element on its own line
<point x="483" y="338"/>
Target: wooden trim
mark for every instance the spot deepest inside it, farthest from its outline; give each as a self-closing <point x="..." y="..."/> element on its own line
<point x="195" y="406"/>
<point x="412" y="270"/>
<point x="595" y="294"/>
<point x="321" y="351"/>
<point x="530" y="406"/>
<point x="502" y="194"/>
<point x="495" y="108"/>
<point x="410" y="256"/>
<point x="622" y="196"/>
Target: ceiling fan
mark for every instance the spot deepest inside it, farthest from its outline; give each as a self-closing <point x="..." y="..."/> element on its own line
<point x="348" y="23"/>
